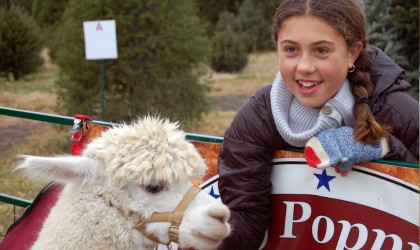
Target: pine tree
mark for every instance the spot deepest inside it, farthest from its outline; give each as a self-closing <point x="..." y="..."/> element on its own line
<point x="229" y="52"/>
<point x="210" y="10"/>
<point x="25" y="5"/>
<point x="405" y="16"/>
<point x="161" y="46"/>
<point x="262" y="12"/>
<point x="48" y="14"/>
<point x="20" y="43"/>
<point x="393" y="28"/>
<point x="254" y="26"/>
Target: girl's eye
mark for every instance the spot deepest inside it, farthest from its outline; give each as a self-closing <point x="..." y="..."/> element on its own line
<point x="290" y="49"/>
<point x="154" y="188"/>
<point x="320" y="51"/>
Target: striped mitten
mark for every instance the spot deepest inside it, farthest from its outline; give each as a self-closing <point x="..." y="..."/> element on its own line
<point x="336" y="147"/>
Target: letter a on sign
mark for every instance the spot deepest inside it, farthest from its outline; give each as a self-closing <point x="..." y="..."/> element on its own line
<point x="99" y="27"/>
<point x="100" y="40"/>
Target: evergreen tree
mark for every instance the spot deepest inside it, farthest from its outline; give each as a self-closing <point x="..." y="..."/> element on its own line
<point x="20" y="43"/>
<point x="405" y="16"/>
<point x="25" y="5"/>
<point x="268" y="8"/>
<point x="381" y="31"/>
<point x="396" y="34"/>
<point x="210" y="10"/>
<point x="47" y="14"/>
<point x="254" y="27"/>
<point x="228" y="45"/>
<point x="161" y="46"/>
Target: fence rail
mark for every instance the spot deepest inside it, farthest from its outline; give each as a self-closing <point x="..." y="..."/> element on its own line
<point x="67" y="120"/>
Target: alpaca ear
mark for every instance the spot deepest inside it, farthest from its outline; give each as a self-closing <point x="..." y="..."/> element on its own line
<point x="63" y="169"/>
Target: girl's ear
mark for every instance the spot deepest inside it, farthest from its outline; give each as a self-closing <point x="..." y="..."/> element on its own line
<point x="354" y="53"/>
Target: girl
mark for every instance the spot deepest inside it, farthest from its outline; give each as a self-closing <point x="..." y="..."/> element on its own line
<point x="328" y="78"/>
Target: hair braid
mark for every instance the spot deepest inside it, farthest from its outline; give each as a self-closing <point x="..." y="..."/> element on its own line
<point x="366" y="128"/>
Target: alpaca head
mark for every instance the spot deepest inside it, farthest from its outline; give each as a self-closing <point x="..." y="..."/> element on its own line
<point x="144" y="168"/>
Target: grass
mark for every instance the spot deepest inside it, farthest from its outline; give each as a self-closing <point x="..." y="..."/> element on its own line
<point x="16" y="185"/>
<point x="260" y="71"/>
<point x="36" y="93"/>
<point x="39" y="81"/>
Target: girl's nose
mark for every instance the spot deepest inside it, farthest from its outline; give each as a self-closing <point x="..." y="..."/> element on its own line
<point x="305" y="65"/>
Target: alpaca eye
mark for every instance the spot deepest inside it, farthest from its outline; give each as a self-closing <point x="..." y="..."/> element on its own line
<point x="154" y="188"/>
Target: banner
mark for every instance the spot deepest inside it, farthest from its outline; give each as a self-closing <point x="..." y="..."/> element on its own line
<point x="376" y="206"/>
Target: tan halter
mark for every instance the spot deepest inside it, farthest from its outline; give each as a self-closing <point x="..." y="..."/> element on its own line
<point x="174" y="217"/>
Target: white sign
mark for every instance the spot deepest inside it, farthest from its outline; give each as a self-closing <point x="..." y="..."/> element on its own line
<point x="100" y="40"/>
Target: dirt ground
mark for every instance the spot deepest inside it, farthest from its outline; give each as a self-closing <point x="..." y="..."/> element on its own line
<point x="12" y="133"/>
<point x="226" y="103"/>
<point x="13" y="130"/>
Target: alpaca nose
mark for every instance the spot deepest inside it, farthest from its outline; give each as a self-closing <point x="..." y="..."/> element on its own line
<point x="220" y="213"/>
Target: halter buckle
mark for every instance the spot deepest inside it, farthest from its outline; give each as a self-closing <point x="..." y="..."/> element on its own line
<point x="174" y="217"/>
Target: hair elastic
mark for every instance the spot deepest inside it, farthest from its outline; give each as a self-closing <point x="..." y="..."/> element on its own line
<point x="362" y="100"/>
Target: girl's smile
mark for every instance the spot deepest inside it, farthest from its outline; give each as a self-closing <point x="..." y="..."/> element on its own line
<point x="308" y="87"/>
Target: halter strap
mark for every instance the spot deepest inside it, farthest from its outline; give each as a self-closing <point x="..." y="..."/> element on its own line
<point x="174" y="217"/>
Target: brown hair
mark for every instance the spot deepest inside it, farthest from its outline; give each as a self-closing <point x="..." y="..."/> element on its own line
<point x="347" y="18"/>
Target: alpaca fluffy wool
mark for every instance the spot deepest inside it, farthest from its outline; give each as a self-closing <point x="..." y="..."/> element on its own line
<point x="99" y="226"/>
<point x="149" y="149"/>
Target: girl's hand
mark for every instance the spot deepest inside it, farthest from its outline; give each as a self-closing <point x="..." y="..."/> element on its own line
<point x="340" y="171"/>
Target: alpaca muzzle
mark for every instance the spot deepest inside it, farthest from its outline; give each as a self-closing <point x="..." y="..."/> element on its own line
<point x="175" y="218"/>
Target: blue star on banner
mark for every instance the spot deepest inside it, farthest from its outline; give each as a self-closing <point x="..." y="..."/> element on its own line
<point x="324" y="178"/>
<point x="212" y="193"/>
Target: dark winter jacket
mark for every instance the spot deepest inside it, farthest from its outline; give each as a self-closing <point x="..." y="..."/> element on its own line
<point x="249" y="144"/>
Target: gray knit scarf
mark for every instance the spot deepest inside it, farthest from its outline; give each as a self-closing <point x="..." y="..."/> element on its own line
<point x="297" y="123"/>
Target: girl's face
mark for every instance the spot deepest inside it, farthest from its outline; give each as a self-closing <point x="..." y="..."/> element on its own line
<point x="313" y="59"/>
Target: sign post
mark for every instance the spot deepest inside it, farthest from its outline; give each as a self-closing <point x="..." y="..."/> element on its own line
<point x="100" y="44"/>
<point x="102" y="91"/>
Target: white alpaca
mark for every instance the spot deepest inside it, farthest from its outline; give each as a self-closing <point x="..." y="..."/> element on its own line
<point x="125" y="175"/>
